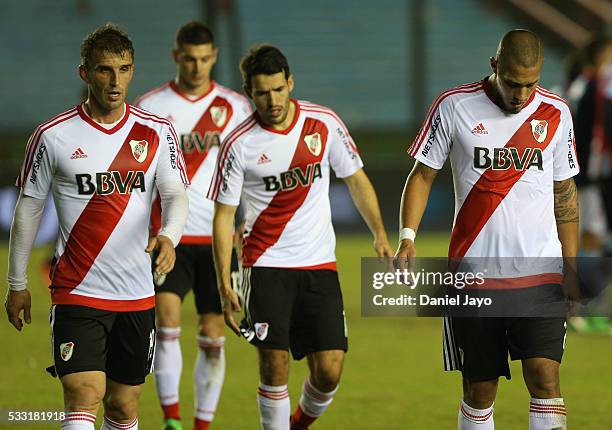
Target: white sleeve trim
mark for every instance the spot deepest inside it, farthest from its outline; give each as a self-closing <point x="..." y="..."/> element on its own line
<point x="428" y="162"/>
<point x="350" y="171"/>
<point x="26" y="220"/>
<point x="565" y="176"/>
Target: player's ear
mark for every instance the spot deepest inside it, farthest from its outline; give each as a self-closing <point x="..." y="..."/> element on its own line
<point x="215" y="52"/>
<point x="493" y="63"/>
<point x="247" y="91"/>
<point x="290" y="83"/>
<point x="175" y="55"/>
<point x="83" y="73"/>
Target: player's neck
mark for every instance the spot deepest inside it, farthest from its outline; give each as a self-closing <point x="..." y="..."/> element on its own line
<point x="491" y="84"/>
<point x="100" y="115"/>
<point x="288" y="121"/>
<point x="193" y="91"/>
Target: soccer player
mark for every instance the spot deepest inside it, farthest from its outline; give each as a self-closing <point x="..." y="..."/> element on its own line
<point x="513" y="157"/>
<point x="589" y="96"/>
<point x="202" y="112"/>
<point x="279" y="162"/>
<point x="102" y="161"/>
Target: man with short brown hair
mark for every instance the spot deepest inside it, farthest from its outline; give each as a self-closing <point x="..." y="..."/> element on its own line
<point x="203" y="112"/>
<point x="102" y="161"/>
<point x="279" y="162"/>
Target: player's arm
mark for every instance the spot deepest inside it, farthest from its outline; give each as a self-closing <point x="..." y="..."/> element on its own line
<point x="413" y="204"/>
<point x="565" y="167"/>
<point x="364" y="197"/>
<point x="170" y="180"/>
<point x="26" y="220"/>
<point x="566" y="214"/>
<point x="174" y="211"/>
<point x="223" y="228"/>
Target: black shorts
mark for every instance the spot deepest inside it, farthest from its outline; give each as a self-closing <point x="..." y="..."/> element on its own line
<point x="195" y="269"/>
<point x="479" y="346"/>
<point x="121" y="344"/>
<point x="301" y="310"/>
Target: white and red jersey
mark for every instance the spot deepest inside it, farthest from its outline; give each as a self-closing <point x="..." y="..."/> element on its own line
<point x="102" y="180"/>
<point x="283" y="180"/>
<point x="201" y="123"/>
<point x="503" y="168"/>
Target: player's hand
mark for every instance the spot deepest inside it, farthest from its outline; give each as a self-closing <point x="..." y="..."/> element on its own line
<point x="571" y="289"/>
<point x="383" y="250"/>
<point x="16" y="301"/>
<point x="230" y="304"/>
<point x="164" y="263"/>
<point x="405" y="255"/>
<point x="382" y="247"/>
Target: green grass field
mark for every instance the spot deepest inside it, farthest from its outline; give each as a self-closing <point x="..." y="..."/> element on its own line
<point x="393" y="376"/>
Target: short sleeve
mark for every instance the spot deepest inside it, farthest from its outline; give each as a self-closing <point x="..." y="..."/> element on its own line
<point x="433" y="142"/>
<point x="170" y="165"/>
<point x="565" y="161"/>
<point x="38" y="167"/>
<point x="226" y="184"/>
<point x="344" y="157"/>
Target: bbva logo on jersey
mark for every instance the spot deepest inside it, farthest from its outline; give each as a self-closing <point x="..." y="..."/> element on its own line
<point x="290" y="179"/>
<point x="505" y="158"/>
<point x="140" y="149"/>
<point x="108" y="182"/>
<point x="194" y="141"/>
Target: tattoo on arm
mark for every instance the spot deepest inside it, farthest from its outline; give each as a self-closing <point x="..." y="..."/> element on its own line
<point x="566" y="201"/>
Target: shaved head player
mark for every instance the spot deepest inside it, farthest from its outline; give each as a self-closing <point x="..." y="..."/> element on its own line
<point x="513" y="159"/>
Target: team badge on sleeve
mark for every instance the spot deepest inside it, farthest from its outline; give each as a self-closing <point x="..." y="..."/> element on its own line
<point x="539" y="128"/>
<point x="313" y="142"/>
<point x="66" y="350"/>
<point x="139" y="149"/>
<point x="218" y="115"/>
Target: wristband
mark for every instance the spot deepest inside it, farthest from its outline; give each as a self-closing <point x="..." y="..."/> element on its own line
<point x="407" y="233"/>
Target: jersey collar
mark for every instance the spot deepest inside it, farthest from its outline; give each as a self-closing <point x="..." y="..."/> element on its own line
<point x="97" y="126"/>
<point x="491" y="95"/>
<point x="183" y="95"/>
<point x="288" y="129"/>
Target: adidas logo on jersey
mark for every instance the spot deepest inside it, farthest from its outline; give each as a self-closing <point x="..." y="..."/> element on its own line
<point x="79" y="153"/>
<point x="263" y="159"/>
<point x="479" y="129"/>
<point x="290" y="179"/>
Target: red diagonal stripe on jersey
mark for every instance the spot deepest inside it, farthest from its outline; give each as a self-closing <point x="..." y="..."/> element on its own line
<point x="196" y="156"/>
<point x="101" y="215"/>
<point x="494" y="185"/>
<point x="271" y="222"/>
<point x="204" y="127"/>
